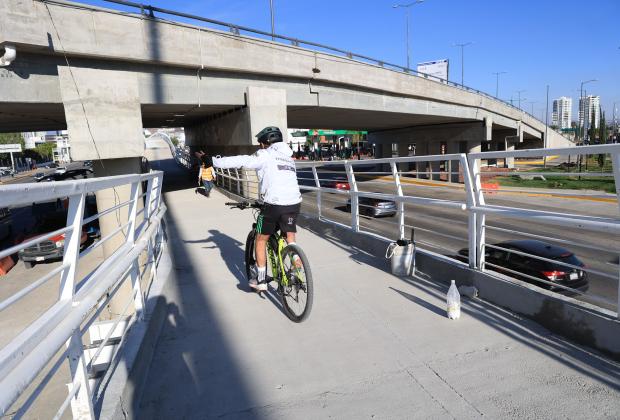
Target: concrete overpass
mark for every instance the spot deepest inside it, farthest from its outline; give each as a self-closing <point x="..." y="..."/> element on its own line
<point x="126" y="71"/>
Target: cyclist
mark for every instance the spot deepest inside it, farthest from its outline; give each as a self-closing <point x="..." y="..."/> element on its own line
<point x="278" y="189"/>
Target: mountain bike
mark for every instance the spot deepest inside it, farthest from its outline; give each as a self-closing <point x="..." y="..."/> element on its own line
<point x="287" y="265"/>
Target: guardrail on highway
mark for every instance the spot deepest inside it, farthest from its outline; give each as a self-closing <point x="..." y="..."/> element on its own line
<point x="59" y="333"/>
<point x="411" y="183"/>
<point x="149" y="12"/>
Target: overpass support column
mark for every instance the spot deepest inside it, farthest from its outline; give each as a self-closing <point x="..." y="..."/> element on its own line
<point x="104" y="121"/>
<point x="232" y="132"/>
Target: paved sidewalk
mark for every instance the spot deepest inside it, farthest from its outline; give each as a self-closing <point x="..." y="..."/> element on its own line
<point x="375" y="346"/>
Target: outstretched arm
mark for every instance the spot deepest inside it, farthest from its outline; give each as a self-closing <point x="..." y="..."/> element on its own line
<point x="255" y="161"/>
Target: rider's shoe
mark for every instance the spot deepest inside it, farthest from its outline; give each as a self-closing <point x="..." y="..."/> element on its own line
<point x="253" y="281"/>
<point x="254" y="284"/>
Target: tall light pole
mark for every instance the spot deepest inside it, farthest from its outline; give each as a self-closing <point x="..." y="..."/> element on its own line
<point x="585" y="117"/>
<point x="519" y="92"/>
<point x="615" y="120"/>
<point x="273" y="32"/>
<point x="407" y="6"/>
<point x="463" y="45"/>
<point x="497" y="74"/>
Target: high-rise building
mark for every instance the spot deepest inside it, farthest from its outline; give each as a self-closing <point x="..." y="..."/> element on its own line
<point x="562" y="112"/>
<point x="588" y="106"/>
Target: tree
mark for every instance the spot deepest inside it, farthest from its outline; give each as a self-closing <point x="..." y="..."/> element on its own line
<point x="46" y="150"/>
<point x="12" y="138"/>
<point x="592" y="133"/>
<point x="175" y="141"/>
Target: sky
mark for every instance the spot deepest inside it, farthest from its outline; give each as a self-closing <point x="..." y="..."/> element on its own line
<point x="559" y="43"/>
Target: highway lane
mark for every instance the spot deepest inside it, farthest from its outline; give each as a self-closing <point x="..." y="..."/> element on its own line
<point x="444" y="230"/>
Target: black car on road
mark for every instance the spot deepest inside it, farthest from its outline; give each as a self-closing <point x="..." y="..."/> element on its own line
<point x="511" y="262"/>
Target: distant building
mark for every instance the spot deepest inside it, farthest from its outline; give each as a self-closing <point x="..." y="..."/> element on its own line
<point x="562" y="112"/>
<point x="588" y="106"/>
<point x="33" y="138"/>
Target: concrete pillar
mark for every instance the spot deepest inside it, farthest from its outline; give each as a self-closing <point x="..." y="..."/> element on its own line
<point x="104" y="121"/>
<point x="110" y="222"/>
<point x="233" y="132"/>
<point x="488" y="126"/>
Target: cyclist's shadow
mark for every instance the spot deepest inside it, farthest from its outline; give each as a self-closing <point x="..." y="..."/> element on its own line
<point x="232" y="252"/>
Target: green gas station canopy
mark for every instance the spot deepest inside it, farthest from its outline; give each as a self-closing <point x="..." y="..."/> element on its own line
<point x="314" y="132"/>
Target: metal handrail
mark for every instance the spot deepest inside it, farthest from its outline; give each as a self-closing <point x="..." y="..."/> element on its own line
<point x="80" y="300"/>
<point x="475" y="206"/>
<point x="296" y="42"/>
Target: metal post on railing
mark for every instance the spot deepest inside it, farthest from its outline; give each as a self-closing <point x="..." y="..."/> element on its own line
<point x="229" y="179"/>
<point x="317" y="183"/>
<point x="355" y="214"/>
<point x="135" y="269"/>
<point x="238" y="181"/>
<point x="148" y="199"/>
<point x="75" y="215"/>
<point x="477" y="222"/>
<point x="401" y="204"/>
<point x="615" y="164"/>
<point x="81" y="403"/>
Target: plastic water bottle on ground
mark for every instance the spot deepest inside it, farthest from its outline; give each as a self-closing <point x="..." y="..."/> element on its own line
<point x="453" y="300"/>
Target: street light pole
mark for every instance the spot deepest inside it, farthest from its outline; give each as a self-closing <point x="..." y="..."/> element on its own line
<point x="497" y="74"/>
<point x="407" y="6"/>
<point x="463" y="45"/>
<point x="273" y="32"/>
<point x="519" y="92"/>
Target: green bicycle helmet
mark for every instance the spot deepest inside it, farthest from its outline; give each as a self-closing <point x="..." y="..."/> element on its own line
<point x="269" y="135"/>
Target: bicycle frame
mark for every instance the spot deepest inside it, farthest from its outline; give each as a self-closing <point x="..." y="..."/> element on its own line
<point x="277" y="265"/>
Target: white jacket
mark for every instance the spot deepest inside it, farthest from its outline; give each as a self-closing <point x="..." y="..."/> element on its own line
<point x="276" y="172"/>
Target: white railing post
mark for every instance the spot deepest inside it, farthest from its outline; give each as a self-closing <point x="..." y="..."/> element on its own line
<point x="355" y="214"/>
<point x="477" y="222"/>
<point x="148" y="200"/>
<point x="131" y="237"/>
<point x="615" y="163"/>
<point x="71" y="252"/>
<point x="238" y="181"/>
<point x="81" y="403"/>
<point x="317" y="182"/>
<point x="401" y="204"/>
<point x="229" y="179"/>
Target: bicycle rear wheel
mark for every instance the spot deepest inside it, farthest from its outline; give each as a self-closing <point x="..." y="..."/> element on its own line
<point x="250" y="260"/>
<point x="298" y="294"/>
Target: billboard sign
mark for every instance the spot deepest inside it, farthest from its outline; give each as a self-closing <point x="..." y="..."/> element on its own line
<point x="10" y="148"/>
<point x="436" y="70"/>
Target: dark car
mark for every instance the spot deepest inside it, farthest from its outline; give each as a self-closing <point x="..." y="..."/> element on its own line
<point x="51" y="249"/>
<point x="6" y="223"/>
<point x="574" y="278"/>
<point x="67" y="175"/>
<point x="374" y="207"/>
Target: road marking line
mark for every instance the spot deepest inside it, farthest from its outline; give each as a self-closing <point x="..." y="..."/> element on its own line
<point x="535" y="162"/>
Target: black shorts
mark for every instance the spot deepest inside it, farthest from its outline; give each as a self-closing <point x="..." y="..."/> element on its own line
<point x="272" y="216"/>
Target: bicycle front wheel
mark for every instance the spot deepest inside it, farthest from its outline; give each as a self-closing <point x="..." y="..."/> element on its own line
<point x="298" y="293"/>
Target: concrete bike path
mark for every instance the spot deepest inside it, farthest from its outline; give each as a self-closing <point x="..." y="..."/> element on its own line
<point x="375" y="345"/>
